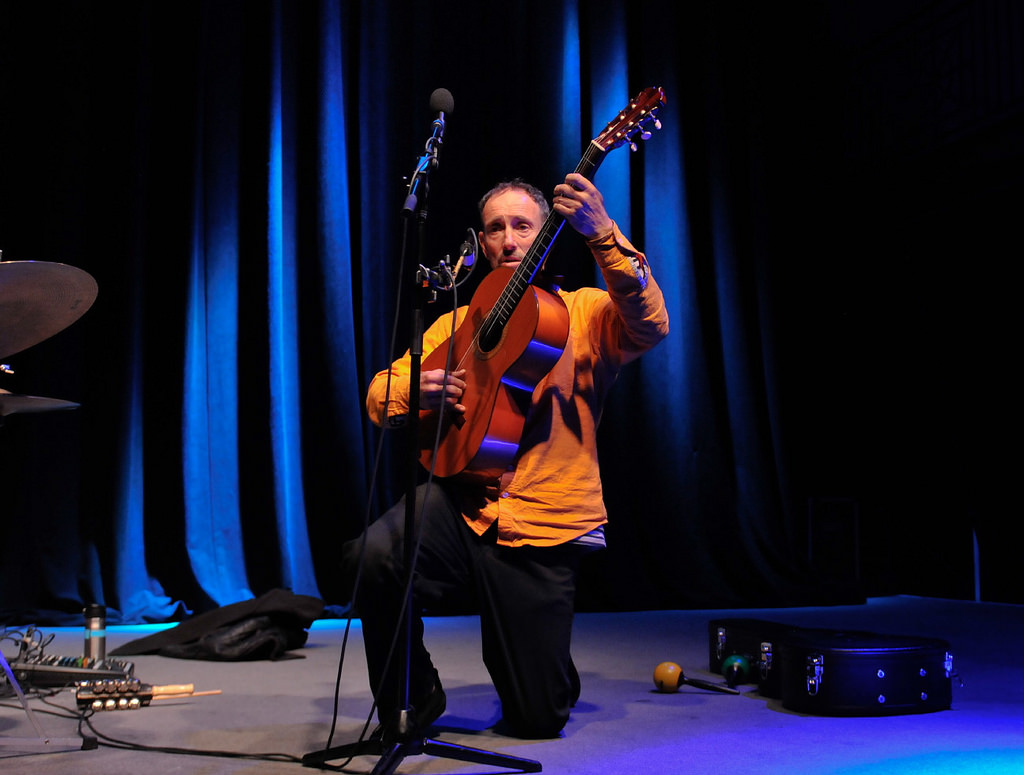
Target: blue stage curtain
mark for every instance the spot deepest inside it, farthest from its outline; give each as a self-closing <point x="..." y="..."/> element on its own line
<point x="234" y="181"/>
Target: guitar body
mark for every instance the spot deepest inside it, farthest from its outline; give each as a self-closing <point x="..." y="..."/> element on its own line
<point x="481" y="444"/>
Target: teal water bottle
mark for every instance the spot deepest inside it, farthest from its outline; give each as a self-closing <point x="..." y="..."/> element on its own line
<point x="95" y="633"/>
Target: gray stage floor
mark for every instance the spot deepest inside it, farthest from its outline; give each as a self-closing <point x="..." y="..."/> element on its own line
<point x="621" y="725"/>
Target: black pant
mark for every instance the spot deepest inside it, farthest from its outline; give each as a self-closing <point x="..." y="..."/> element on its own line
<point x="525" y="597"/>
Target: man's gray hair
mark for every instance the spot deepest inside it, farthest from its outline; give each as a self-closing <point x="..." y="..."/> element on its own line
<point x="516" y="184"/>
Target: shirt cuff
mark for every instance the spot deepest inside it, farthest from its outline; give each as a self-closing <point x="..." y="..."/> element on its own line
<point x="614" y="248"/>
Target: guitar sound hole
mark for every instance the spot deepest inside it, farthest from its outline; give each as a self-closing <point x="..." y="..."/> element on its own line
<point x="490" y="335"/>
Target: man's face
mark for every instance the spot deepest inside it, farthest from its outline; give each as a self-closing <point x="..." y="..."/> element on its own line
<point x="511" y="221"/>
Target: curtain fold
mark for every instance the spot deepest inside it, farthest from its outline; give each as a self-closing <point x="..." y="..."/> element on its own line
<point x="283" y="318"/>
<point x="210" y="467"/>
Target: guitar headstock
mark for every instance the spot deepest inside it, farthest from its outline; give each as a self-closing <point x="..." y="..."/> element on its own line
<point x="633" y="119"/>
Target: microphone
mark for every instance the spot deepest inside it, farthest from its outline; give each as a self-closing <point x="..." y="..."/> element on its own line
<point x="467" y="252"/>
<point x="441" y="102"/>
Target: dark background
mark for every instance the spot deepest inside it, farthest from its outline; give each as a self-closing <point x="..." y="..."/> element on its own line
<point x="833" y="416"/>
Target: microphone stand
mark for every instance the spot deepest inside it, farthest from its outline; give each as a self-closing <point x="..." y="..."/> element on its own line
<point x="409" y="740"/>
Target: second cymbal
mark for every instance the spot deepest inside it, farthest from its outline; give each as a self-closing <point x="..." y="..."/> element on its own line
<point x="12" y="403"/>
<point x="38" y="299"/>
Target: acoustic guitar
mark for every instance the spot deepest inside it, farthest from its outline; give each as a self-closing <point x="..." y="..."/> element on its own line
<point x="513" y="334"/>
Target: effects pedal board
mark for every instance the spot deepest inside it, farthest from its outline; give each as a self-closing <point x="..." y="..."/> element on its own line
<point x="57" y="671"/>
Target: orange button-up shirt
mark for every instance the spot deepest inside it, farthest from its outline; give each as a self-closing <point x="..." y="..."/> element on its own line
<point x="553" y="493"/>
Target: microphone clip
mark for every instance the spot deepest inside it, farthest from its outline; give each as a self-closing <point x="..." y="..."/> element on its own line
<point x="443" y="276"/>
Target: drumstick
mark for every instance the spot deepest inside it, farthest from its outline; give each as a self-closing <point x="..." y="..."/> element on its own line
<point x="173" y="691"/>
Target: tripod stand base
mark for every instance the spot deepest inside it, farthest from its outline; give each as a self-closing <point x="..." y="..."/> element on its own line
<point x="42" y="743"/>
<point x="392" y="754"/>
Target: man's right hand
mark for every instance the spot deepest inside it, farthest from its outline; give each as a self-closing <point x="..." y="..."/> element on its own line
<point x="434" y="394"/>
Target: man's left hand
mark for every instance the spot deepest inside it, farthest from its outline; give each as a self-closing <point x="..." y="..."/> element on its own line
<point x="582" y="205"/>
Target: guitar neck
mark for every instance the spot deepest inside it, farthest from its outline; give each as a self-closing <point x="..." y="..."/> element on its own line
<point x="552" y="227"/>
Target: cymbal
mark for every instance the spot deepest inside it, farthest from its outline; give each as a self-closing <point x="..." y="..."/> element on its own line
<point x="38" y="299"/>
<point x="11" y="403"/>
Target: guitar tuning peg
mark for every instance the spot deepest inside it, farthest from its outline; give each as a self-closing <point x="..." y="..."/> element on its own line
<point x="645" y="135"/>
<point x="657" y="123"/>
<point x="632" y="146"/>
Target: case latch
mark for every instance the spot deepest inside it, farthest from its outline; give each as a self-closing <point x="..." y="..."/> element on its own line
<point x="815" y="668"/>
<point x="766" y="658"/>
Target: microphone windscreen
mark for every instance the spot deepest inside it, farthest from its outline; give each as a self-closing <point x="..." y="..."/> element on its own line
<point x="442" y="101"/>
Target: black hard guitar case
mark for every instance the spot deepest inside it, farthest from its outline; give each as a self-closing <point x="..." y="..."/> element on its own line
<point x="840" y="673"/>
<point x="836" y="672"/>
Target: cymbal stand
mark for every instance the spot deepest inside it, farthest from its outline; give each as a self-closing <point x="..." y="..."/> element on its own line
<point x="49" y="297"/>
